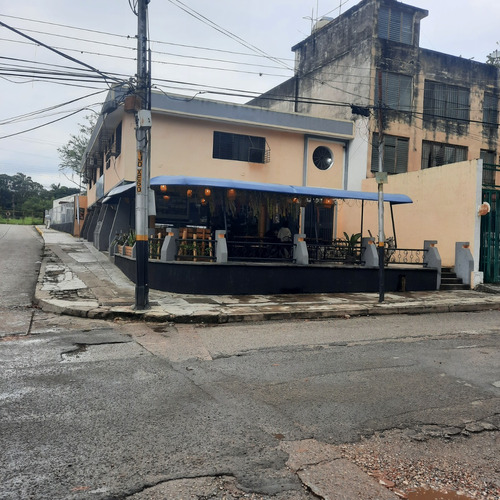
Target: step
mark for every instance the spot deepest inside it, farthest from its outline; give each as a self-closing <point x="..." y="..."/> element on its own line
<point x="453" y="286"/>
<point x="450" y="279"/>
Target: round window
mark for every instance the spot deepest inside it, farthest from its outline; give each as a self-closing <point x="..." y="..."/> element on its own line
<point x="323" y="158"/>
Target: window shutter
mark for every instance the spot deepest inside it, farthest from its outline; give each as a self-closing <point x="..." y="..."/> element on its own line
<point x="407" y="28"/>
<point x="395" y="154"/>
<point x="389" y="154"/>
<point x="383" y="22"/>
<point x="392" y="90"/>
<point x="402" y="155"/>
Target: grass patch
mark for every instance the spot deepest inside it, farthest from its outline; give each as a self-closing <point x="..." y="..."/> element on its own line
<point x="24" y="221"/>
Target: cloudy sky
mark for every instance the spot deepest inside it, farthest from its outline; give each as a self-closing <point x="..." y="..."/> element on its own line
<point x="198" y="46"/>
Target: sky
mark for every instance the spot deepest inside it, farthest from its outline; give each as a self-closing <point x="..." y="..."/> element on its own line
<point x="199" y="47"/>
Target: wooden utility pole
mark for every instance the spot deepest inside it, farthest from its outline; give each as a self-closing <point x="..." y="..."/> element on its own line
<point x="143" y="134"/>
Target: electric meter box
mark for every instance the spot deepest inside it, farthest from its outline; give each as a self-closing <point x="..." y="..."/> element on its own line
<point x="144" y="118"/>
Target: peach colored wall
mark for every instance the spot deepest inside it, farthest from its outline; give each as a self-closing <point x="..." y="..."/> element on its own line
<point x="326" y="178"/>
<point x="129" y="149"/>
<point x="123" y="166"/>
<point x="182" y="146"/>
<point x="82" y="203"/>
<point x="444" y="208"/>
<point x="91" y="195"/>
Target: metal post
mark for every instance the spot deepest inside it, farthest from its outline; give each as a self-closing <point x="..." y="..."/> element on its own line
<point x="143" y="125"/>
<point x="380" y="181"/>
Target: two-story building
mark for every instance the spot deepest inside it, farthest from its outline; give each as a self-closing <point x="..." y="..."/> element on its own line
<point x="242" y="170"/>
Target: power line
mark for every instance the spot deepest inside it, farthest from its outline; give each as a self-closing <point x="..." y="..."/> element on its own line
<point x="44" y="124"/>
<point x="128" y="37"/>
<point x="66" y="56"/>
<point x="18" y="118"/>
<point x="225" y="32"/>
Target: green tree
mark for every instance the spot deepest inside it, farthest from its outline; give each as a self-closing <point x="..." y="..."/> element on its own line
<point x="71" y="154"/>
<point x="23" y="187"/>
<point x="5" y="192"/>
<point x="57" y="191"/>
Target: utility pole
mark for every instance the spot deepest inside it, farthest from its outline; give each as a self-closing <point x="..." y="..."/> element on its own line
<point x="381" y="178"/>
<point x="143" y="135"/>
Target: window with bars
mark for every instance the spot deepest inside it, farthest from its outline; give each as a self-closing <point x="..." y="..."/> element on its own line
<point x="490" y="111"/>
<point x="395" y="154"/>
<point x="240" y="147"/>
<point x="395" y="25"/>
<point x="435" y="154"/>
<point x="396" y="90"/>
<point x="446" y="101"/>
<point x="489" y="167"/>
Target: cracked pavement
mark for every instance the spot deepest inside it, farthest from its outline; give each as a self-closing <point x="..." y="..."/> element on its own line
<point x="94" y="409"/>
<point x="364" y="407"/>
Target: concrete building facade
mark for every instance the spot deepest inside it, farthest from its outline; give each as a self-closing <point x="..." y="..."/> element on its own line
<point x="367" y="65"/>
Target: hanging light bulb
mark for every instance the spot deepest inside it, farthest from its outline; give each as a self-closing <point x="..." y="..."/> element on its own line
<point x="166" y="197"/>
<point x="208" y="192"/>
<point x="163" y="188"/>
<point x="189" y="193"/>
<point x="231" y="194"/>
<point x="203" y="201"/>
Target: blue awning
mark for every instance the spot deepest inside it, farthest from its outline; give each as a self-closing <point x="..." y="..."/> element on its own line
<point x="180" y="180"/>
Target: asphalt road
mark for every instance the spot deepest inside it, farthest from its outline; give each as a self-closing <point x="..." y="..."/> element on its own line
<point x="89" y="412"/>
<point x="20" y="250"/>
<point x="20" y="258"/>
<point x="108" y="410"/>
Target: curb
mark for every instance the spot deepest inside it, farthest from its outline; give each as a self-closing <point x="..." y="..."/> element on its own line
<point x="152" y="315"/>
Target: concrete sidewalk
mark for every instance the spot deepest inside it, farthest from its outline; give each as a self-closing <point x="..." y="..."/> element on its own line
<point x="78" y="280"/>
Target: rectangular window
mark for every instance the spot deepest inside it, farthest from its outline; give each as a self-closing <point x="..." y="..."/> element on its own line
<point x="435" y="154"/>
<point x="489" y="167"/>
<point x="490" y="111"/>
<point x="395" y="154"/>
<point x="446" y="101"/>
<point x="395" y="25"/>
<point x="396" y="90"/>
<point x="118" y="140"/>
<point x="240" y="147"/>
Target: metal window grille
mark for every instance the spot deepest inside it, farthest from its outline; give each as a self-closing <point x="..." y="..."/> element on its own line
<point x="490" y="111"/>
<point x="489" y="167"/>
<point x="239" y="147"/>
<point x="435" y="154"/>
<point x="446" y="101"/>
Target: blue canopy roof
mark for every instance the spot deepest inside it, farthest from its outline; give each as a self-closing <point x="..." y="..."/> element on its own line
<point x="180" y="180"/>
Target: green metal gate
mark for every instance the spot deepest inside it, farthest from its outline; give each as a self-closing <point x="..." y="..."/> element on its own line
<point x="489" y="262"/>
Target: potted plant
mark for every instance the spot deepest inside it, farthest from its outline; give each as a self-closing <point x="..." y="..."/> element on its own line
<point x="351" y="246"/>
<point x="129" y="244"/>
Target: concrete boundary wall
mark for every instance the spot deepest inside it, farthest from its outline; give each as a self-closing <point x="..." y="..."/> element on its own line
<point x="444" y="208"/>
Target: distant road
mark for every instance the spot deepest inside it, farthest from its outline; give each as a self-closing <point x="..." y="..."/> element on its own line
<point x="20" y="256"/>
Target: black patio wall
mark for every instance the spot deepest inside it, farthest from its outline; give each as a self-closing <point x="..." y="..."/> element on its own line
<point x="249" y="278"/>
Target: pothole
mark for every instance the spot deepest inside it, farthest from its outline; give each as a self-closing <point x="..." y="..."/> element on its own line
<point x="102" y="352"/>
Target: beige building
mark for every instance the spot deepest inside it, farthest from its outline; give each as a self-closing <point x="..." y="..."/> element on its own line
<point x="216" y="142"/>
<point x="205" y="138"/>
